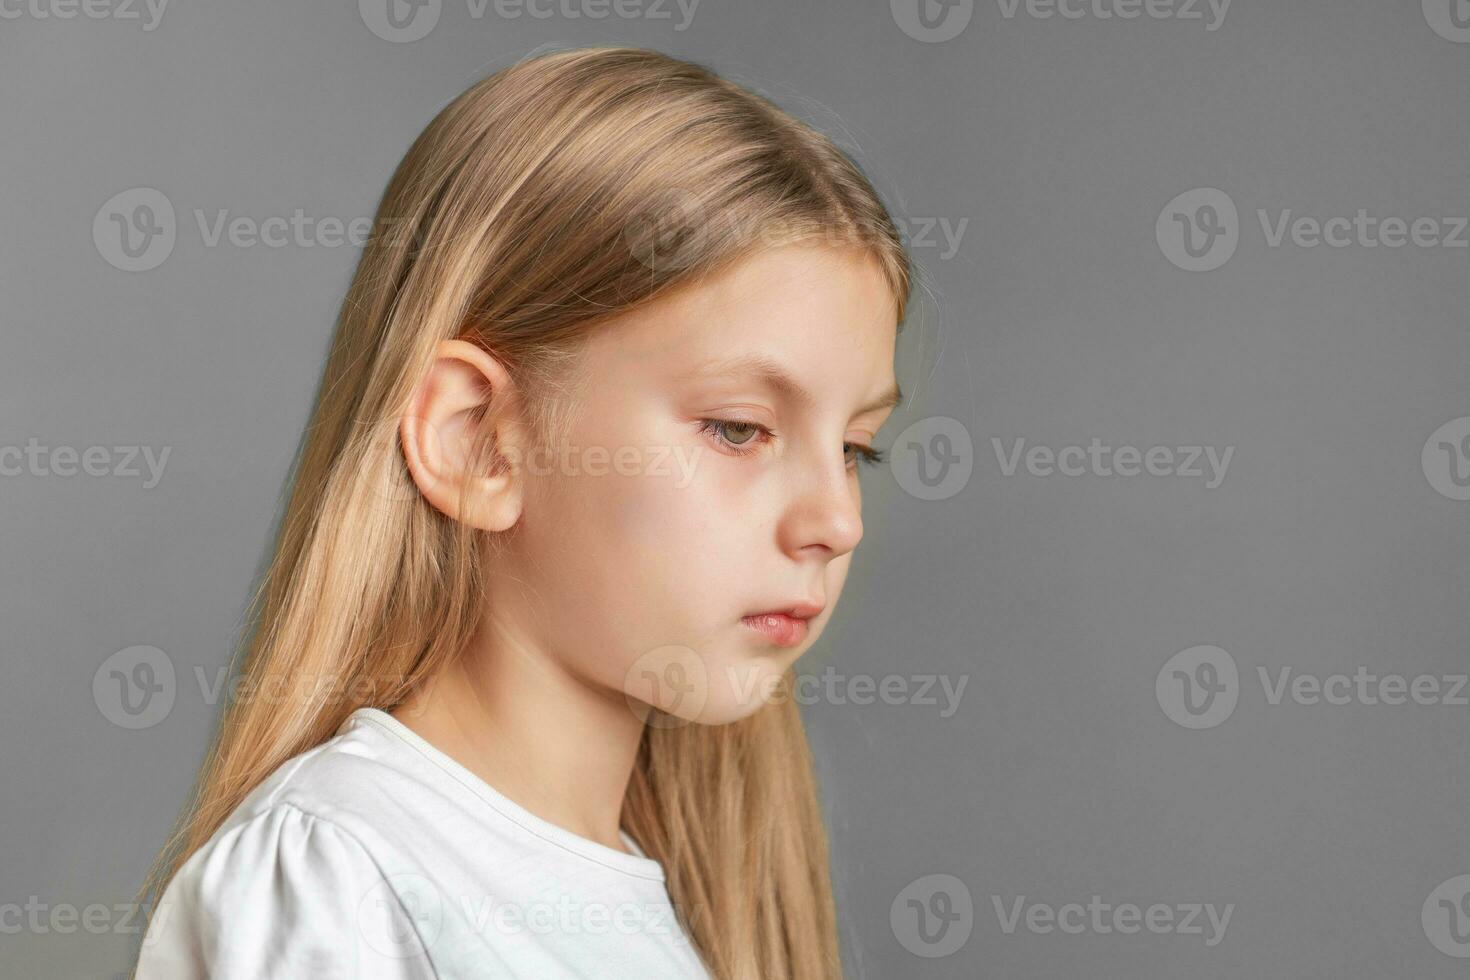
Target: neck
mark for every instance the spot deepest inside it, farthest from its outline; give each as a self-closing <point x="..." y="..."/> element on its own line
<point x="549" y="741"/>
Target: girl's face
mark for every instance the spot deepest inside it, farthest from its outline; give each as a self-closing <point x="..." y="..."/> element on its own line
<point x="710" y="473"/>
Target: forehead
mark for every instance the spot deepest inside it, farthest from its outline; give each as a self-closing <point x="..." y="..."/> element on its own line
<point x="808" y="307"/>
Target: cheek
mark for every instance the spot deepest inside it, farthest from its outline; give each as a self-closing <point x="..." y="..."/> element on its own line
<point x="667" y="552"/>
<point x="631" y="561"/>
<point x="834" y="579"/>
<point x="674" y="545"/>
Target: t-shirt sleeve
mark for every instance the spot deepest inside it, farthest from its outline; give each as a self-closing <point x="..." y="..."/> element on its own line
<point x="284" y="894"/>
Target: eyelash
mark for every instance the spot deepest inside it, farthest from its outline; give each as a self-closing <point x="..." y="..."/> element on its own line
<point x="867" y="455"/>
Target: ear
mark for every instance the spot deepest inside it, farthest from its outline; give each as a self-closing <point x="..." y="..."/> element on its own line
<point x="438" y="429"/>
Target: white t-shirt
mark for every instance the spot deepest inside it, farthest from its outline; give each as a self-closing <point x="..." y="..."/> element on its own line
<point x="375" y="856"/>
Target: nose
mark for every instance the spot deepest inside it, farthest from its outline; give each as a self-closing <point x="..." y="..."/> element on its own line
<point x="825" y="511"/>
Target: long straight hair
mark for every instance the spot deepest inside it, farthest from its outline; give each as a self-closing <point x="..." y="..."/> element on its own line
<point x="562" y="190"/>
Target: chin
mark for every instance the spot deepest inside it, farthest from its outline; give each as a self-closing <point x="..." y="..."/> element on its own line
<point x="710" y="688"/>
<point x="740" y="687"/>
<point x="725" y="711"/>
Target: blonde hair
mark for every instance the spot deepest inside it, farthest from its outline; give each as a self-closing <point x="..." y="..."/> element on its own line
<point x="555" y="193"/>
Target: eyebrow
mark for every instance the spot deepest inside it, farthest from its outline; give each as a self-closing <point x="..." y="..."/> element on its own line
<point x="769" y="372"/>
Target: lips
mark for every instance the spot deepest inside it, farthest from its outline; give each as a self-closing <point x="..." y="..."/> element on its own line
<point x="786" y="626"/>
<point x="780" y="628"/>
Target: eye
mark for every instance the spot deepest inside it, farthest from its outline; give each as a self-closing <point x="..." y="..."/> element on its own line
<point x="866" y="455"/>
<point x="736" y="435"/>
<point x="740" y="438"/>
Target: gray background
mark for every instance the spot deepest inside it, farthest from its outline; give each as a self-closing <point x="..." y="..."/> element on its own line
<point x="1059" y="318"/>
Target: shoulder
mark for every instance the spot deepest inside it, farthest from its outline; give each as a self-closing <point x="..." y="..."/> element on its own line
<point x="361" y="783"/>
<point x="284" y="889"/>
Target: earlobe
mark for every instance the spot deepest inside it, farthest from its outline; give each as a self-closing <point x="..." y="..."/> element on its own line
<point x="449" y="407"/>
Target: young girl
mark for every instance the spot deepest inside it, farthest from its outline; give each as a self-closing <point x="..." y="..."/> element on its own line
<point x="580" y="486"/>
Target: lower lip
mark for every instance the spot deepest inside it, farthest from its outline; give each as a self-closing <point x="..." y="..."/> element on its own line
<point x="780" y="629"/>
